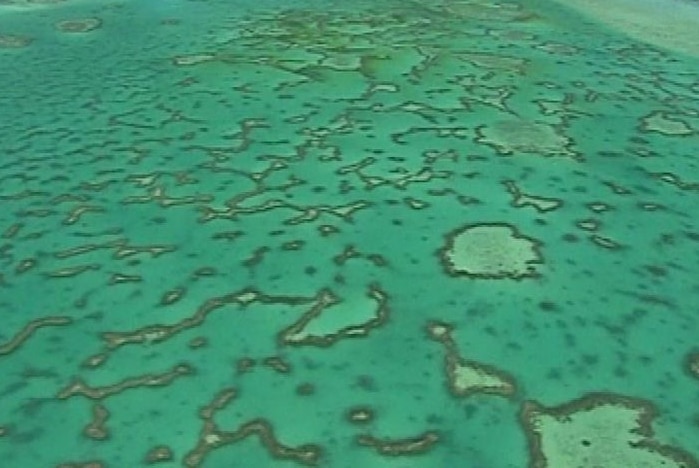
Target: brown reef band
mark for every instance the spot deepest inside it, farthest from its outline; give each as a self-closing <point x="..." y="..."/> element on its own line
<point x="286" y="336"/>
<point x="159" y="453"/>
<point x="211" y="437"/>
<point x="441" y="332"/>
<point x="97" y="428"/>
<point x="78" y="387"/>
<point x="29" y="329"/>
<point x="399" y="447"/>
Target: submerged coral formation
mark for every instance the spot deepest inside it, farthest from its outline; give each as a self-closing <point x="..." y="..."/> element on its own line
<point x="602" y="430"/>
<point x="79" y="25"/>
<point x="491" y="251"/>
<point x="355" y="233"/>
<point x="13" y="41"/>
<point x="466" y="377"/>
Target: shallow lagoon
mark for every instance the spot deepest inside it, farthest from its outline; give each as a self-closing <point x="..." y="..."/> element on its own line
<point x="377" y="234"/>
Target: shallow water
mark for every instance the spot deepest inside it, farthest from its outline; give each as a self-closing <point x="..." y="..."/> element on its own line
<point x="345" y="234"/>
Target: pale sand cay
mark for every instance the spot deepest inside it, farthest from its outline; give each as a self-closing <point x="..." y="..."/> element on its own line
<point x="670" y="24"/>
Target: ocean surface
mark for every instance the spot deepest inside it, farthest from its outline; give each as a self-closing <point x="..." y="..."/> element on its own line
<point x="371" y="234"/>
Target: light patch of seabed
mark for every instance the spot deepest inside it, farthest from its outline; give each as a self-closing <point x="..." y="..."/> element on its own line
<point x="378" y="234"/>
<point x="670" y="24"/>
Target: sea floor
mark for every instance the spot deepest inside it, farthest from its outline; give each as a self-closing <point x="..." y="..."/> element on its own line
<point x="387" y="233"/>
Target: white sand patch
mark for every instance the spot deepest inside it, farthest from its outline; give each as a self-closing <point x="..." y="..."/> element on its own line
<point x="670" y="24"/>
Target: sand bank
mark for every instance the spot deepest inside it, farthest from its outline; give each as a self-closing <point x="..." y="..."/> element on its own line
<point x="670" y="24"/>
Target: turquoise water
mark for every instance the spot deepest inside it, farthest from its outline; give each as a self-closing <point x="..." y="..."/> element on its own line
<point x="380" y="233"/>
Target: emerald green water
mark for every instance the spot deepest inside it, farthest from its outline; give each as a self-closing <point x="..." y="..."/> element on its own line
<point x="380" y="233"/>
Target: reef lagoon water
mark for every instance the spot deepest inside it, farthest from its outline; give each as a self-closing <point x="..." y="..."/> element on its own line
<point x="387" y="233"/>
